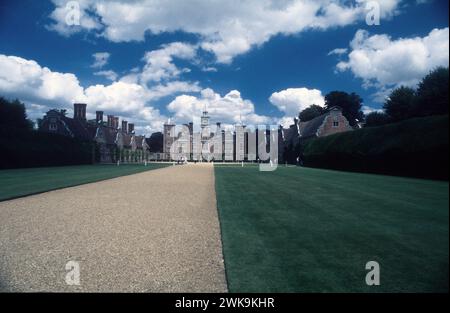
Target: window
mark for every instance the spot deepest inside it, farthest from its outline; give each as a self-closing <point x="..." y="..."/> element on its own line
<point x="335" y="124"/>
<point x="52" y="126"/>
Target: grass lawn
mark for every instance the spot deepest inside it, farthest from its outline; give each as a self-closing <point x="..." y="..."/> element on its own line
<point x="311" y="230"/>
<point x="21" y="182"/>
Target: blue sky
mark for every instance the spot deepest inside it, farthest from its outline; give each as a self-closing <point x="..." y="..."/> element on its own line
<point x="260" y="61"/>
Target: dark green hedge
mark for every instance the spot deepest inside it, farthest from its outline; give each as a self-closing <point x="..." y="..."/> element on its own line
<point x="417" y="147"/>
<point x="23" y="148"/>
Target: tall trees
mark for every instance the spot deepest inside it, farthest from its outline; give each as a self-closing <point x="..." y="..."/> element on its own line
<point x="432" y="93"/>
<point x="398" y="105"/>
<point x="310" y="112"/>
<point x="350" y="103"/>
<point x="431" y="98"/>
<point x="13" y="115"/>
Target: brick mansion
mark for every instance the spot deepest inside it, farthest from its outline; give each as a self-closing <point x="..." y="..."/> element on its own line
<point x="117" y="141"/>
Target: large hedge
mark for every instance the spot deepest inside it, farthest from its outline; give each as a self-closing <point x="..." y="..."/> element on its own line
<point x="24" y="148"/>
<point x="417" y="147"/>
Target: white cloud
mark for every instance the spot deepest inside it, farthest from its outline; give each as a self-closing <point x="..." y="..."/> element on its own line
<point x="42" y="89"/>
<point x="28" y="81"/>
<point x="159" y="63"/>
<point x="293" y="100"/>
<point x="286" y="121"/>
<point x="111" y="75"/>
<point x="367" y="109"/>
<point x="173" y="87"/>
<point x="383" y="62"/>
<point x="225" y="28"/>
<point x="62" y="12"/>
<point x="229" y="109"/>
<point x="209" y="69"/>
<point x="100" y="59"/>
<point x="338" y="51"/>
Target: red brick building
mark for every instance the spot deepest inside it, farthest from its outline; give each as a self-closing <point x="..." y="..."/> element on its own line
<point x="331" y="122"/>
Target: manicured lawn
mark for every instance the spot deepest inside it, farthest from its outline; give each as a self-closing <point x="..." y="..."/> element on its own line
<point x="311" y="230"/>
<point x="20" y="182"/>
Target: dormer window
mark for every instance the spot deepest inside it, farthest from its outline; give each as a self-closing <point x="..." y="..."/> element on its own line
<point x="335" y="123"/>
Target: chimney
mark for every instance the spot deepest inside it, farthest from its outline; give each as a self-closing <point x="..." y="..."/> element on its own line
<point x="110" y="120"/>
<point x="79" y="111"/>
<point x="99" y="117"/>
<point x="131" y="128"/>
<point x="124" y="126"/>
<point x="116" y="122"/>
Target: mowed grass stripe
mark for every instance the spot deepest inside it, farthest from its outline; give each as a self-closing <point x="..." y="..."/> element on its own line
<point x="312" y="230"/>
<point x="22" y="182"/>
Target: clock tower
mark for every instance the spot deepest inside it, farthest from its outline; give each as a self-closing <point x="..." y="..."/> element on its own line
<point x="204" y="122"/>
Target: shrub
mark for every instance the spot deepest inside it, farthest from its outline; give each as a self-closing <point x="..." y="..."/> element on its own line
<point x="417" y="147"/>
<point x="376" y="119"/>
<point x="24" y="148"/>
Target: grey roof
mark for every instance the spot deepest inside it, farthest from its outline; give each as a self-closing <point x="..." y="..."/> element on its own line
<point x="110" y="134"/>
<point x="309" y="129"/>
<point x="139" y="141"/>
<point x="290" y="134"/>
<point x="79" y="128"/>
<point x="126" y="139"/>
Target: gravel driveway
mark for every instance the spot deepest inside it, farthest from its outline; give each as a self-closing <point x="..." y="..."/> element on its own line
<point x="156" y="231"/>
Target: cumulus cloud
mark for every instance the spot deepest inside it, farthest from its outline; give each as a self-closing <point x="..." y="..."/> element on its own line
<point x="225" y="28"/>
<point x="79" y="15"/>
<point x="293" y="100"/>
<point x="159" y="63"/>
<point x="100" y="59"/>
<point x="111" y="75"/>
<point x="384" y="62"/>
<point x="27" y="80"/>
<point x="173" y="87"/>
<point x="229" y="109"/>
<point x="286" y="121"/>
<point x="42" y="89"/>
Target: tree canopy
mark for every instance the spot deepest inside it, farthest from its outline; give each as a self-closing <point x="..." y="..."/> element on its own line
<point x="432" y="93"/>
<point x="398" y="106"/>
<point x="13" y="115"/>
<point x="310" y="112"/>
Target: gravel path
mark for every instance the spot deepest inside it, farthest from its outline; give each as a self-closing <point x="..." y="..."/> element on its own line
<point x="156" y="231"/>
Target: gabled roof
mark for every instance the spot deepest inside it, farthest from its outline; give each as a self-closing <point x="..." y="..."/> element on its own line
<point x="126" y="139"/>
<point x="309" y="129"/>
<point x="79" y="128"/>
<point x="290" y="135"/>
<point x="108" y="133"/>
<point x="139" y="141"/>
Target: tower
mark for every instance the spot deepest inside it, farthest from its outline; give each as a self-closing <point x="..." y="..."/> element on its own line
<point x="204" y="123"/>
<point x="168" y="138"/>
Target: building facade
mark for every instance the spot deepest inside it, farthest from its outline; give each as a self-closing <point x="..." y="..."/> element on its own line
<point x="113" y="143"/>
<point x="243" y="143"/>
